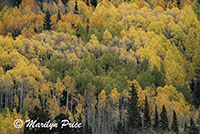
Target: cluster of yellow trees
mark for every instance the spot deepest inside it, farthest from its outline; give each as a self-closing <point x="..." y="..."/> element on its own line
<point x="86" y="63"/>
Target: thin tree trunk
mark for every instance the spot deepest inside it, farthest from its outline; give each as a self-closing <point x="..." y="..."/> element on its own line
<point x="1" y="106"/>
<point x="21" y="97"/>
<point x="67" y="101"/>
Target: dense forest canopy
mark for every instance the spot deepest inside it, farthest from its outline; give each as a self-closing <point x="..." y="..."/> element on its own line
<point x="89" y="61"/>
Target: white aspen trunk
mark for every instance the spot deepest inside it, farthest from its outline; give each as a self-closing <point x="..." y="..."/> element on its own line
<point x="71" y="105"/>
<point x="6" y="100"/>
<point x="67" y="101"/>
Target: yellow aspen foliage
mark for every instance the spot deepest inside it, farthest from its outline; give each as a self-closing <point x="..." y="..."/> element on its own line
<point x="4" y="58"/>
<point x="150" y="93"/>
<point x="19" y="45"/>
<point x="102" y="99"/>
<point x="157" y="27"/>
<point x="172" y="3"/>
<point x="28" y="103"/>
<point x="1" y="71"/>
<point x="150" y="46"/>
<point x="140" y="3"/>
<point x="114" y="95"/>
<point x="30" y="3"/>
<point x="173" y="100"/>
<point x="54" y="21"/>
<point x="45" y="89"/>
<point x="106" y="3"/>
<point x="107" y="36"/>
<point x="36" y="102"/>
<point x="59" y="87"/>
<point x="79" y="111"/>
<point x="84" y="10"/>
<point x="70" y="115"/>
<point x="94" y="46"/>
<point x="73" y="59"/>
<point x="16" y="100"/>
<point x="174" y="68"/>
<point x="126" y="9"/>
<point x="69" y="84"/>
<point x="7" y="120"/>
<point x="107" y="15"/>
<point x="7" y="43"/>
<point x="64" y="27"/>
<point x="2" y="28"/>
<point x="54" y="106"/>
<point x="45" y="92"/>
<point x="72" y="19"/>
<point x="28" y="33"/>
<point x="156" y="3"/>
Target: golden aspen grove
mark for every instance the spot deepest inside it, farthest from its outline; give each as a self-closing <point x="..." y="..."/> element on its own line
<point x="115" y="66"/>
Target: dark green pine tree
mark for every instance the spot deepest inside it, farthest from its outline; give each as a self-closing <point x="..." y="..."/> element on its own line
<point x="58" y="16"/>
<point x="147" y="119"/>
<point x="134" y="121"/>
<point x="65" y="129"/>
<point x="193" y="128"/>
<point x="87" y="129"/>
<point x="12" y="3"/>
<point x="76" y="8"/>
<point x="40" y="115"/>
<point x="87" y="28"/>
<point x="174" y="126"/>
<point x="81" y="32"/>
<point x="17" y="2"/>
<point x="156" y="120"/>
<point x="79" y="130"/>
<point x="94" y="3"/>
<point x="164" y="125"/>
<point x="64" y="2"/>
<point x="87" y="2"/>
<point x="186" y="128"/>
<point x="120" y="128"/>
<point x="47" y="21"/>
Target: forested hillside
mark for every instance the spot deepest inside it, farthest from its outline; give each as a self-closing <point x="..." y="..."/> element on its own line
<point x="117" y="66"/>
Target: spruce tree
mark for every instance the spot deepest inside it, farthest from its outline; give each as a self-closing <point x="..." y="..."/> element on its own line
<point x="193" y="128"/>
<point x="17" y="2"/>
<point x="156" y="120"/>
<point x="80" y="130"/>
<point x="12" y="3"/>
<point x="87" y="3"/>
<point x="87" y="129"/>
<point x="186" y="128"/>
<point x="94" y="3"/>
<point x="164" y="120"/>
<point x="174" y="126"/>
<point x="76" y="8"/>
<point x="58" y="16"/>
<point x="87" y="28"/>
<point x="120" y="128"/>
<point x="65" y="129"/>
<point x="147" y="119"/>
<point x="64" y="2"/>
<point x="134" y="120"/>
<point x="40" y="115"/>
<point x="47" y="21"/>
